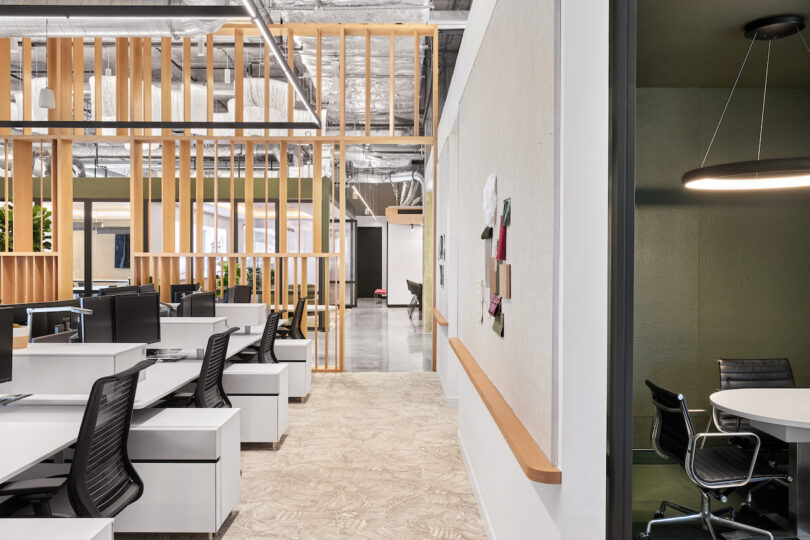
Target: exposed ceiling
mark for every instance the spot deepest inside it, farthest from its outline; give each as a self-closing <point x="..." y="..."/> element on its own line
<point x="700" y="43"/>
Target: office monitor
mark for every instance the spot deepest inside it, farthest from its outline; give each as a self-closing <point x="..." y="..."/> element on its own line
<point x="100" y="326"/>
<point x="53" y="322"/>
<point x="131" y="289"/>
<point x="137" y="318"/>
<point x="181" y="289"/>
<point x="198" y="305"/>
<point x="6" y="341"/>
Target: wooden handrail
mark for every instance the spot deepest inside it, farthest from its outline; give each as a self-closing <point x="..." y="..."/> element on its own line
<point x="531" y="458"/>
<point x="440" y="320"/>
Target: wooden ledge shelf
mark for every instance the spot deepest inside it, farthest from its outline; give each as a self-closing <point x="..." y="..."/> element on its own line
<point x="440" y="320"/>
<point x="531" y="458"/>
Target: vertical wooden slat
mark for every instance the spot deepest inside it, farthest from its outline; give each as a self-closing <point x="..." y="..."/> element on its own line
<point x="211" y="280"/>
<point x="416" y="72"/>
<point x="234" y="215"/>
<point x="199" y="188"/>
<point x="8" y="266"/>
<point x="97" y="71"/>
<point x="391" y="97"/>
<point x="233" y="268"/>
<point x="23" y="196"/>
<point x="185" y="198"/>
<point x="62" y="92"/>
<point x="50" y="279"/>
<point x="209" y="80"/>
<point x="167" y="197"/>
<point x="248" y="247"/>
<point x="166" y="83"/>
<point x="342" y="277"/>
<point x="282" y="226"/>
<point x="342" y="81"/>
<point x="239" y="77"/>
<point x="136" y="83"/>
<point x="146" y="58"/>
<point x="30" y="277"/>
<point x="290" y="92"/>
<point x="5" y="82"/>
<point x="165" y="270"/>
<point x="121" y="75"/>
<point x="266" y="86"/>
<point x="26" y="82"/>
<point x="136" y="206"/>
<point x="20" y="284"/>
<point x="63" y="212"/>
<point x="368" y="83"/>
<point x="186" y="85"/>
<point x="243" y="273"/>
<point x="78" y="82"/>
<point x="52" y="67"/>
<point x="318" y="75"/>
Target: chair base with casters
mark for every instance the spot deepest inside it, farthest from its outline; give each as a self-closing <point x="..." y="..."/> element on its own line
<point x="704" y="517"/>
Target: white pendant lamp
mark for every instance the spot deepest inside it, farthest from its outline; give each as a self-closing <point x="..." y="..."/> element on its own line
<point x="15" y="46"/>
<point x="200" y="46"/>
<point x="46" y="98"/>
<point x="758" y="174"/>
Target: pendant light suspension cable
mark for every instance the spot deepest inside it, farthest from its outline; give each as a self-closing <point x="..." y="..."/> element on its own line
<point x="764" y="94"/>
<point x="725" y="108"/>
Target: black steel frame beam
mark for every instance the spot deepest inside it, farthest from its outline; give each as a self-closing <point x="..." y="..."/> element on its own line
<point x="118" y="11"/>
<point x="85" y="124"/>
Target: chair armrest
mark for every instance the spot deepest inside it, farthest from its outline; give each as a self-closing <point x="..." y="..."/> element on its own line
<point x="699" y="439"/>
<point x="36" y="486"/>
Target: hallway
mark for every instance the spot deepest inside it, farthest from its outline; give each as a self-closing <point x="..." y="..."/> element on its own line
<point x="370" y="455"/>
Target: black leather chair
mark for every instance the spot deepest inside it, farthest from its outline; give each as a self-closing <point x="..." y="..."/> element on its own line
<point x="264" y="353"/>
<point x="292" y="329"/>
<point x="416" y="297"/>
<point x="102" y="481"/>
<point x="751" y="373"/>
<point x="238" y="294"/>
<point x="715" y="470"/>
<point x="208" y="390"/>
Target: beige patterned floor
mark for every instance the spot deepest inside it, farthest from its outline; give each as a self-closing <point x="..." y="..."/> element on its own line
<point x="369" y="456"/>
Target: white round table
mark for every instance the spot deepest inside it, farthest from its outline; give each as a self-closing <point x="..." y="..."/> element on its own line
<point x="785" y="414"/>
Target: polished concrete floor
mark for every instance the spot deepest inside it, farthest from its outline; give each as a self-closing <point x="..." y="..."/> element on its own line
<point x="379" y="338"/>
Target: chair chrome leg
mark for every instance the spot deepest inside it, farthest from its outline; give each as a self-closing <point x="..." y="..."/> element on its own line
<point x="707" y="520"/>
<point x="739" y="526"/>
<point x="694" y="518"/>
<point x="675" y="506"/>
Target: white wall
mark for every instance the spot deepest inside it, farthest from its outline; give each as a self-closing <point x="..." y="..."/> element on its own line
<point x="404" y="261"/>
<point x="529" y="97"/>
<point x="380" y="222"/>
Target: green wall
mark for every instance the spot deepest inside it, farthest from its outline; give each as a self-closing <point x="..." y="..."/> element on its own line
<point x="717" y="275"/>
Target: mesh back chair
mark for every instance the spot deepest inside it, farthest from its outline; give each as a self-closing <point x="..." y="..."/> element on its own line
<point x="102" y="481"/>
<point x="264" y="353"/>
<point x="208" y="391"/>
<point x="716" y="471"/>
<point x="292" y="329"/>
<point x="238" y="294"/>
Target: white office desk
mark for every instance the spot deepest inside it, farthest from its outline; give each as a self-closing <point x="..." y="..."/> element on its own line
<point x="188" y="332"/>
<point x="299" y="356"/>
<point x="50" y="528"/>
<point x="785" y="414"/>
<point x="243" y="315"/>
<point x="68" y="368"/>
<point x="260" y="391"/>
<point x="26" y="443"/>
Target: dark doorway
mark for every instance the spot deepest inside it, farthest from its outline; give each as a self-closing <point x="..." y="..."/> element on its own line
<point x="369" y="261"/>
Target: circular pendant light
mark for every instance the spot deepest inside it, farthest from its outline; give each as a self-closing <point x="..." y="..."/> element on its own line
<point x="759" y="174"/>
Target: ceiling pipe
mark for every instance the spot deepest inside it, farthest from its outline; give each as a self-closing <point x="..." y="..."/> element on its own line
<point x="258" y="20"/>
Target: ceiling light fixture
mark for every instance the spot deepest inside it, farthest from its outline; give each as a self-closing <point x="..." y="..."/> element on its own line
<point x="762" y="173"/>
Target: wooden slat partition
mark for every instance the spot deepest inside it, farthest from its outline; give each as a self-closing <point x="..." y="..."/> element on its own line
<point x="530" y="457"/>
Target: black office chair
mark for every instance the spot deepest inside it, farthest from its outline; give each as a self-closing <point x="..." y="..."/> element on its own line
<point x="264" y="353"/>
<point x="751" y="373"/>
<point x="416" y="297"/>
<point x="238" y="294"/>
<point x="715" y="470"/>
<point x="292" y="329"/>
<point x="208" y="392"/>
<point x="102" y="481"/>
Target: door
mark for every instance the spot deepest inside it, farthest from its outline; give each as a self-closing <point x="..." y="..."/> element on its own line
<point x="369" y="261"/>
